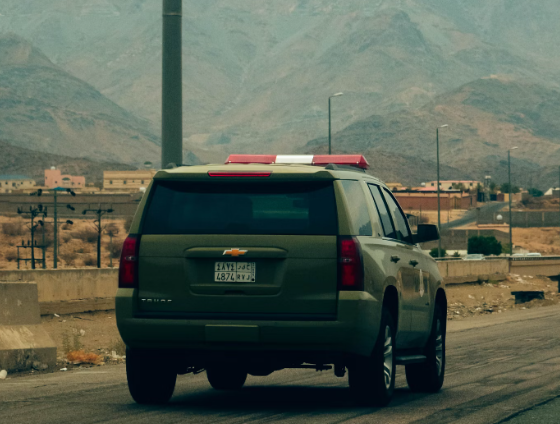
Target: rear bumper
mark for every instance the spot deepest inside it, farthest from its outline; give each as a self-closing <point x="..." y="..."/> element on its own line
<point x="353" y="331"/>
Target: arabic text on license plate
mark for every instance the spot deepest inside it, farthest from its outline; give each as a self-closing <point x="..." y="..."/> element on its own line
<point x="242" y="272"/>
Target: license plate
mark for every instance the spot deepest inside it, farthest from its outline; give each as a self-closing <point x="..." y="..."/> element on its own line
<point x="235" y="272"/>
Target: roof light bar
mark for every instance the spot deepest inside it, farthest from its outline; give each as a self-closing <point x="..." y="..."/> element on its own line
<point x="357" y="161"/>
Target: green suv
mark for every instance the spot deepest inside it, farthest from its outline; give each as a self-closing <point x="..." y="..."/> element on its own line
<point x="274" y="262"/>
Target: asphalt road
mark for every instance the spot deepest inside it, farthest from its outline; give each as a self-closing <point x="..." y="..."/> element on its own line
<point x="471" y="215"/>
<point x="498" y="367"/>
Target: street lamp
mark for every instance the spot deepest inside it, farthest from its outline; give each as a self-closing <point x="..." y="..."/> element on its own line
<point x="438" y="190"/>
<point x="510" y="218"/>
<point x="330" y="133"/>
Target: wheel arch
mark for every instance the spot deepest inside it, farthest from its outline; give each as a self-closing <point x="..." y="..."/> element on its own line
<point x="441" y="300"/>
<point x="391" y="302"/>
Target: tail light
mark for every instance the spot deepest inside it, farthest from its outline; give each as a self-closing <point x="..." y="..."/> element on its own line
<point x="128" y="271"/>
<point x="350" y="265"/>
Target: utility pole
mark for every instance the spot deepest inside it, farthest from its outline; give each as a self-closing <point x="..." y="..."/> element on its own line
<point x="99" y="227"/>
<point x="172" y="84"/>
<point x="111" y="232"/>
<point x="330" y="124"/>
<point x="438" y="190"/>
<point x="510" y="193"/>
<point x="55" y="248"/>
<point x="34" y="212"/>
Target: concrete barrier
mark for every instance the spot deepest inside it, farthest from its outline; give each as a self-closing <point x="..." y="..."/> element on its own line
<point x="459" y="272"/>
<point x="23" y="341"/>
<point x="66" y="291"/>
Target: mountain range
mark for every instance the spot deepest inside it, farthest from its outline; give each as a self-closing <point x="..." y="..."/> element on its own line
<point x="257" y="76"/>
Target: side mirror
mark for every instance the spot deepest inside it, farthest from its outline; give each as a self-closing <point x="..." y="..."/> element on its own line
<point x="426" y="233"/>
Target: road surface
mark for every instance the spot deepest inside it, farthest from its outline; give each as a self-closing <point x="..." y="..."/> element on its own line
<point x="471" y="216"/>
<point x="498" y="367"/>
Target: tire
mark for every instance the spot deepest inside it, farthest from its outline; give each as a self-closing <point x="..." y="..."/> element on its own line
<point x="226" y="377"/>
<point x="428" y="377"/>
<point x="372" y="379"/>
<point x="147" y="386"/>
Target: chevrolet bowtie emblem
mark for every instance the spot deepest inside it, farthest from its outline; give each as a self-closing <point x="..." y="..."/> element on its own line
<point x="235" y="252"/>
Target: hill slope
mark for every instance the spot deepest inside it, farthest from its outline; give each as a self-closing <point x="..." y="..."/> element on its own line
<point x="46" y="109"/>
<point x="485" y="118"/>
<point x="19" y="161"/>
<point x="257" y="74"/>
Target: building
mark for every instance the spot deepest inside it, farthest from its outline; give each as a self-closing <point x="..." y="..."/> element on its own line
<point x="9" y="183"/>
<point x="122" y="181"/>
<point x="452" y="184"/>
<point x="395" y="186"/>
<point x="427" y="200"/>
<point x="54" y="178"/>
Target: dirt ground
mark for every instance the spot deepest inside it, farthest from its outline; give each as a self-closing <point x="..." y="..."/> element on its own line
<point x="77" y="243"/>
<point x="542" y="240"/>
<point x="494" y="297"/>
<point x="94" y="332"/>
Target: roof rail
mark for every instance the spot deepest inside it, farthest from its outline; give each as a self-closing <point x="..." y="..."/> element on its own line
<point x="174" y="165"/>
<point x="335" y="167"/>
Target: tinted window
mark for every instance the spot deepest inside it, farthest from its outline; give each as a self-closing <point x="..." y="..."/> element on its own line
<point x="386" y="220"/>
<point x="403" y="232"/>
<point x="359" y="214"/>
<point x="242" y="208"/>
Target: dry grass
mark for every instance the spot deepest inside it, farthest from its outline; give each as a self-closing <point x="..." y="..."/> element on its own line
<point x="15" y="228"/>
<point x="115" y="250"/>
<point x="128" y="223"/>
<point x="70" y="242"/>
<point x="69" y="258"/>
<point x="90" y="260"/>
<point x="89" y="235"/>
<point x="11" y="255"/>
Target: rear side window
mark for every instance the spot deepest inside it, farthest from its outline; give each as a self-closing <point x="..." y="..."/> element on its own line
<point x="403" y="231"/>
<point x="358" y="208"/>
<point x="386" y="220"/>
<point x="241" y="208"/>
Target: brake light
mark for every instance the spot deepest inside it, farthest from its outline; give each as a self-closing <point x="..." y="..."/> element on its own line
<point x="128" y="271"/>
<point x="350" y="265"/>
<point x="240" y="174"/>
<point x="357" y="161"/>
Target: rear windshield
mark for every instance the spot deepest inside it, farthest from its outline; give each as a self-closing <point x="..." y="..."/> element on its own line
<point x="241" y="208"/>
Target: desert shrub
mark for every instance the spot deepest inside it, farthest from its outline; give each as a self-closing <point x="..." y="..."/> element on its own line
<point x="68" y="257"/>
<point x="13" y="228"/>
<point x="434" y="252"/>
<point x="115" y="249"/>
<point x="65" y="238"/>
<point x="83" y="250"/>
<point x="89" y="235"/>
<point x="118" y="347"/>
<point x="11" y="255"/>
<point x="71" y="343"/>
<point x="484" y="245"/>
<point x="128" y="223"/>
<point x="90" y="260"/>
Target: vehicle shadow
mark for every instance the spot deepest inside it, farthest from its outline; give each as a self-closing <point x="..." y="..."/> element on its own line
<point x="285" y="399"/>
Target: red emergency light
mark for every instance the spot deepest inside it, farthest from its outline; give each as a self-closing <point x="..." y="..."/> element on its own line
<point x="357" y="161"/>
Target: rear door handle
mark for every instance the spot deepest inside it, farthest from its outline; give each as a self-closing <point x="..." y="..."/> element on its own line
<point x="395" y="258"/>
<point x="413" y="263"/>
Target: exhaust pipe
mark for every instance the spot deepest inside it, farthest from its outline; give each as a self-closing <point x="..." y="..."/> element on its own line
<point x="172" y="84"/>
